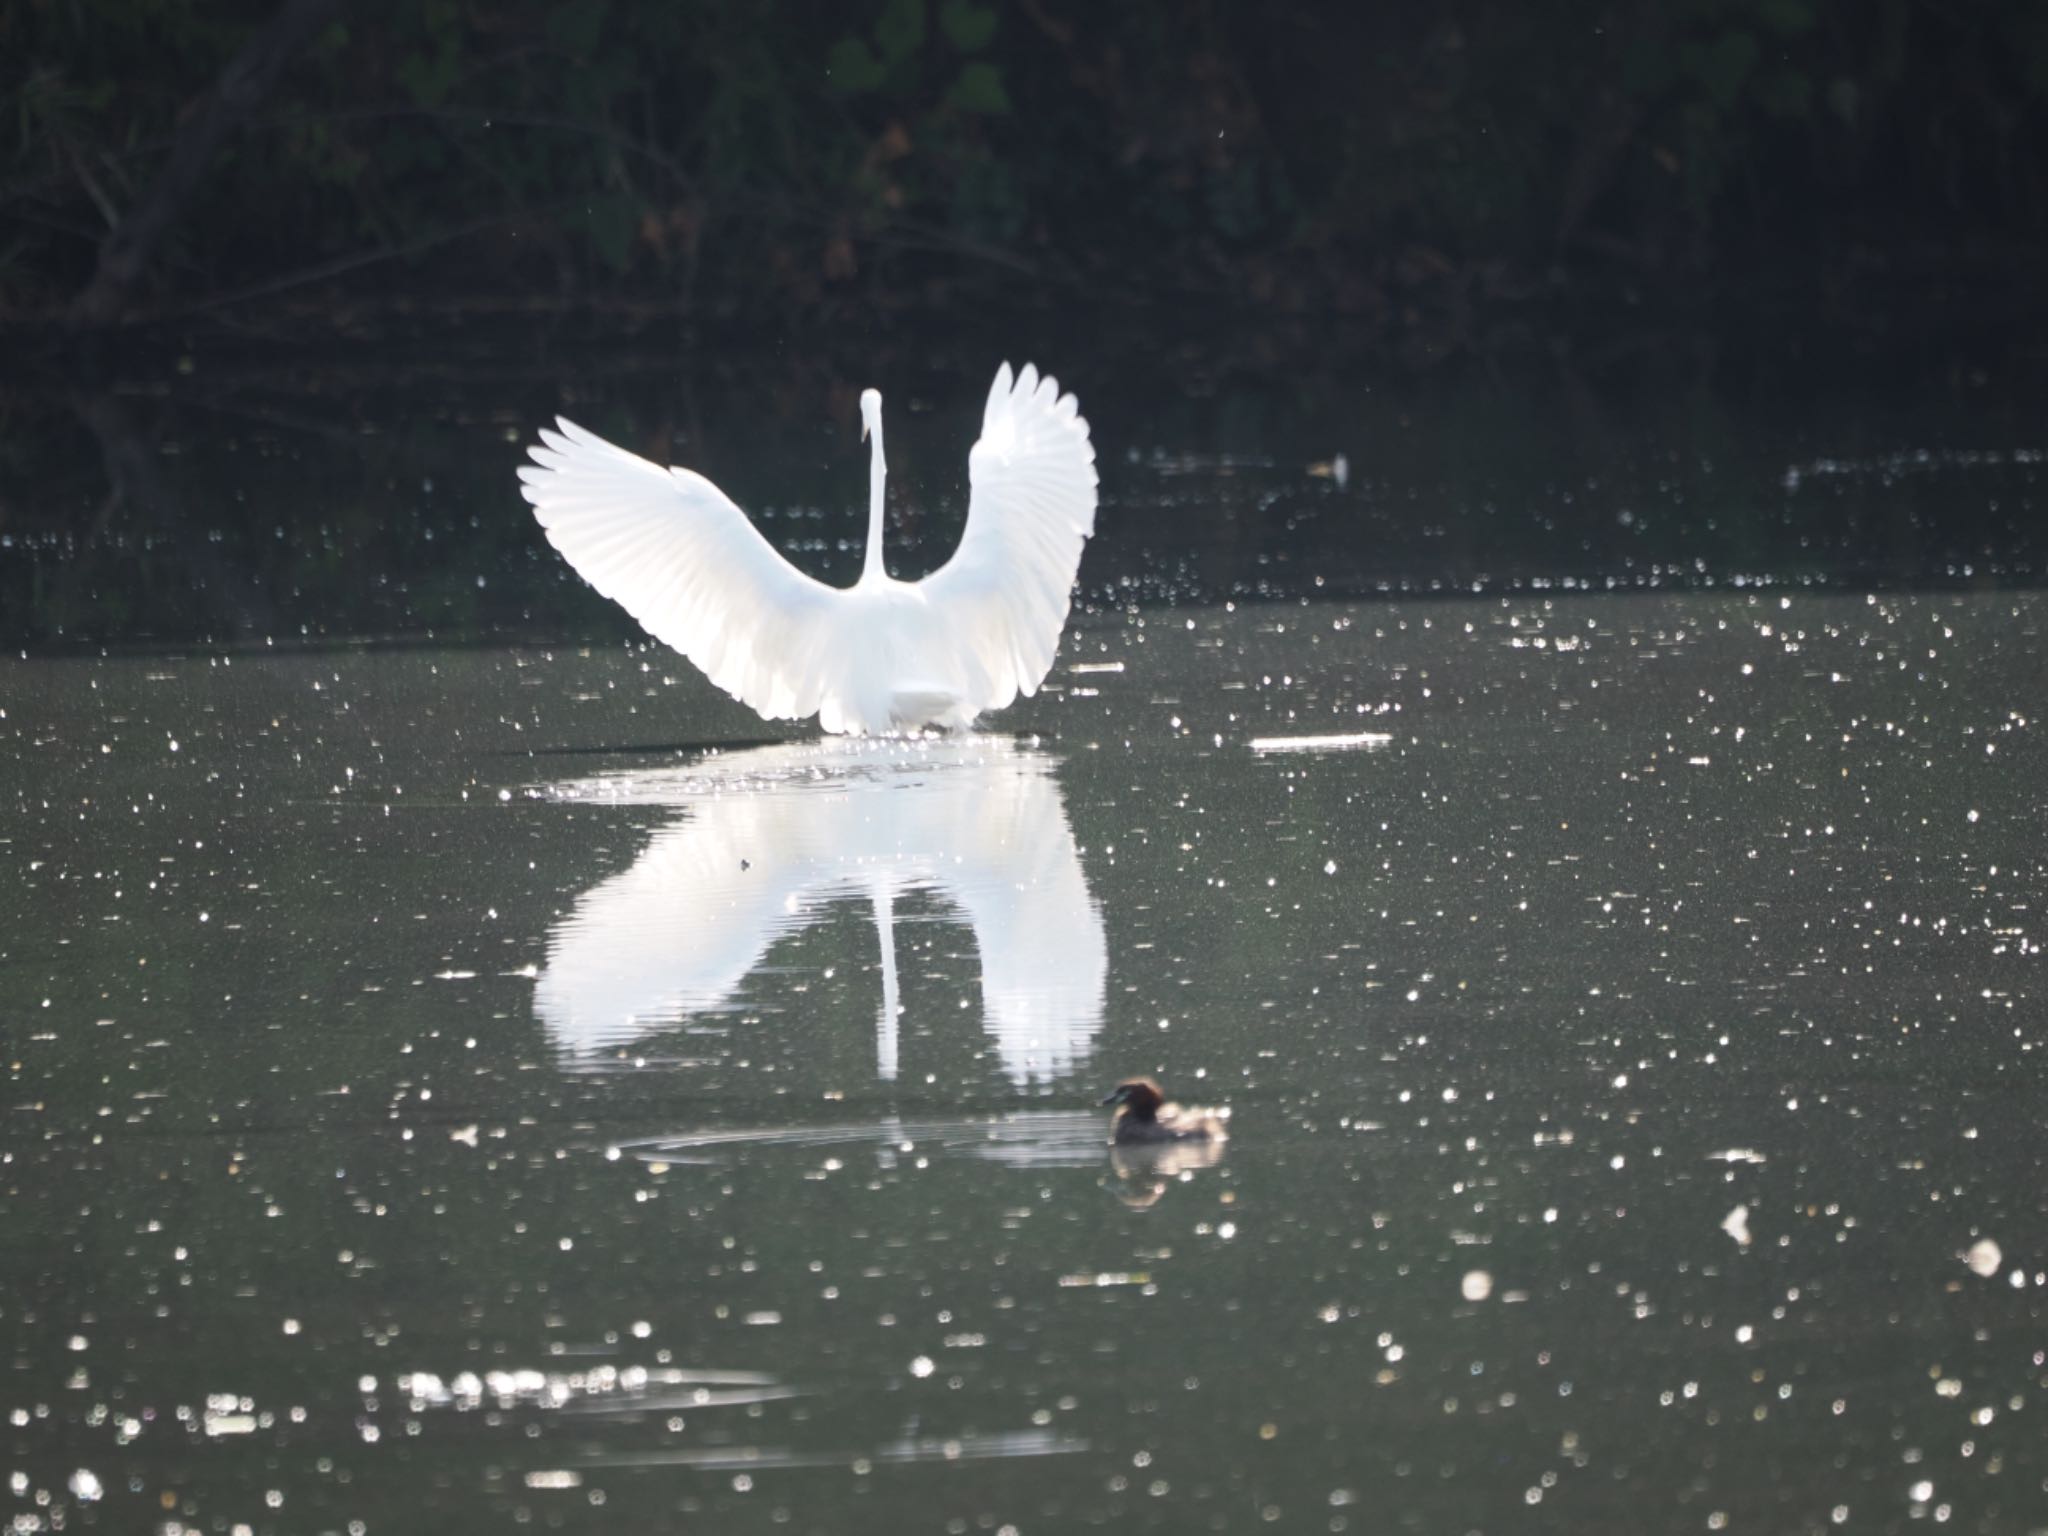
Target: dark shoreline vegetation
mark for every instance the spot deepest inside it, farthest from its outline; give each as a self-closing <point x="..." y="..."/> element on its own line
<point x="286" y="284"/>
<point x="1444" y="179"/>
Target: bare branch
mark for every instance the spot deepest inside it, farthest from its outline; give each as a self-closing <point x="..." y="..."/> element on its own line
<point x="130" y="248"/>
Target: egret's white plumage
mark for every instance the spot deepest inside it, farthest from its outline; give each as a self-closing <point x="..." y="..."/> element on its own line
<point x="882" y="655"/>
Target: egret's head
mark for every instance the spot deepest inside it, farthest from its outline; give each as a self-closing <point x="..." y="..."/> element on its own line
<point x="870" y="411"/>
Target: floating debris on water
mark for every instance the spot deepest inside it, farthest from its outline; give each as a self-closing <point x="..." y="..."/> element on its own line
<point x="1350" y="741"/>
<point x="1336" y="468"/>
<point x="1984" y="1257"/>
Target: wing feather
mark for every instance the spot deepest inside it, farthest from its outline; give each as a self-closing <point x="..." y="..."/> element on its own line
<point x="673" y="550"/>
<point x="1003" y="597"/>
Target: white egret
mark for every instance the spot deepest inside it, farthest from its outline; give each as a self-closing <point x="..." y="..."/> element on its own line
<point x="882" y="655"/>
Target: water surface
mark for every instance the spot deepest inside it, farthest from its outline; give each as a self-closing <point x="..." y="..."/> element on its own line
<point x="439" y="1088"/>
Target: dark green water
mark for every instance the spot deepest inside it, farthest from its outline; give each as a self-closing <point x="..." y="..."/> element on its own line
<point x="434" y="1101"/>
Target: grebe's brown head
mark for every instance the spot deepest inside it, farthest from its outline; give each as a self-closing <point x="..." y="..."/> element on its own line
<point x="1139" y="1096"/>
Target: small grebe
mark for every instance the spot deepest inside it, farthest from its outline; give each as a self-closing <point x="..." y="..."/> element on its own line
<point x="1144" y="1115"/>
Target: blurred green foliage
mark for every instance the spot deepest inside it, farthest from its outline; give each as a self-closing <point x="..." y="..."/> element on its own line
<point x="481" y="153"/>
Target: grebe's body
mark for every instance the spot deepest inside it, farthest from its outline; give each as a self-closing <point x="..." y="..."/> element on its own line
<point x="1144" y="1117"/>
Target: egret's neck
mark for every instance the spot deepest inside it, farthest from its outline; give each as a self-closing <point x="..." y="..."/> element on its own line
<point x="878" y="473"/>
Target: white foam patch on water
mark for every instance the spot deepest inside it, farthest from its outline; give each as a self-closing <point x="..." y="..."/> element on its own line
<point x="1348" y="741"/>
<point x="603" y="1388"/>
<point x="1984" y="1257"/>
<point x="1736" y="1225"/>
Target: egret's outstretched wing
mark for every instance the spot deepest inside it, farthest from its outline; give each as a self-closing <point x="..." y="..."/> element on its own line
<point x="1003" y="596"/>
<point x="671" y="549"/>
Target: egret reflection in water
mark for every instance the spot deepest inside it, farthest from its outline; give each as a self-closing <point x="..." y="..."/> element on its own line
<point x="770" y="839"/>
